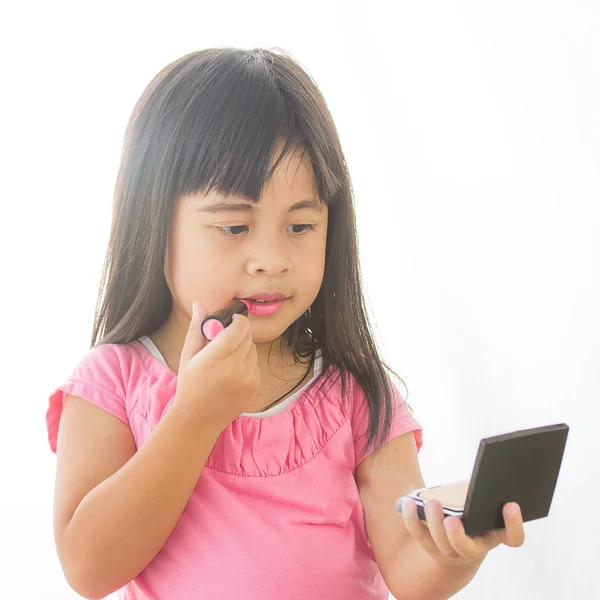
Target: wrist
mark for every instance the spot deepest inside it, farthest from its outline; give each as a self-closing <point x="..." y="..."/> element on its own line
<point x="196" y="426"/>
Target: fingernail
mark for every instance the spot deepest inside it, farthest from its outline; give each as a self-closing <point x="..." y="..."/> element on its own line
<point x="513" y="510"/>
<point x="194" y="310"/>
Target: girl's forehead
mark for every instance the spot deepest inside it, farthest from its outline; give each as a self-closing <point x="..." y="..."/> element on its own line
<point x="214" y="202"/>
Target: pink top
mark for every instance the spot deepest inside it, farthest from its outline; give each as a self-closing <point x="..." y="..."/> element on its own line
<point x="276" y="512"/>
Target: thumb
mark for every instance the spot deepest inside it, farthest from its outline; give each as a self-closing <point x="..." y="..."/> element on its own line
<point x="194" y="340"/>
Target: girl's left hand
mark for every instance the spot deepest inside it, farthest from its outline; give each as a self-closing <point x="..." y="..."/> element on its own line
<point x="444" y="537"/>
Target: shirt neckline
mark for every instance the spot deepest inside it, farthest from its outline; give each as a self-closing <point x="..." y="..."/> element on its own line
<point x="278" y="408"/>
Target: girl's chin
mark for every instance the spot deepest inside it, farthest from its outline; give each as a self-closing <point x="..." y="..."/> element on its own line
<point x="264" y="338"/>
<point x="265" y="333"/>
<point x="267" y="329"/>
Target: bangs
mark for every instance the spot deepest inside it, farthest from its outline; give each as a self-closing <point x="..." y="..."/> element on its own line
<point x="224" y="130"/>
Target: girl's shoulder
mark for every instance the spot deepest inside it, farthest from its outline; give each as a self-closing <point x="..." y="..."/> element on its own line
<point x="114" y="367"/>
<point x="107" y="375"/>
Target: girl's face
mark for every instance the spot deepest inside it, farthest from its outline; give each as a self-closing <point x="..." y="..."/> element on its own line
<point x="222" y="248"/>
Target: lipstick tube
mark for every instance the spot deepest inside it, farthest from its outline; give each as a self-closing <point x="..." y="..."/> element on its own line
<point x="214" y="323"/>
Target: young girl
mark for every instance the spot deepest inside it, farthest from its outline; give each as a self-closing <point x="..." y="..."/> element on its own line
<point x="267" y="462"/>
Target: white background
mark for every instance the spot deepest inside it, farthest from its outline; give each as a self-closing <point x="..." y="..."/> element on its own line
<point x="472" y="132"/>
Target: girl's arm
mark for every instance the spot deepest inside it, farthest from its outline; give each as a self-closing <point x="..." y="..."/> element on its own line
<point x="409" y="572"/>
<point x="114" y="508"/>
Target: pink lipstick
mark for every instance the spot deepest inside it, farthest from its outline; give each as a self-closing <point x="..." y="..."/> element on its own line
<point x="265" y="304"/>
<point x="214" y="323"/>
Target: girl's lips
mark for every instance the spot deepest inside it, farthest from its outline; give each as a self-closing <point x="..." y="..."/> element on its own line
<point x="264" y="309"/>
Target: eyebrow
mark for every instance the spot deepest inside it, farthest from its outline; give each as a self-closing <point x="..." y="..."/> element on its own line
<point x="246" y="206"/>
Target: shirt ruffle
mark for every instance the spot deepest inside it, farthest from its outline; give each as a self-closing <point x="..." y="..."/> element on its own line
<point x="279" y="443"/>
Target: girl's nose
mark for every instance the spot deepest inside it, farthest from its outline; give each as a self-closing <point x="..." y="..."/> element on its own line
<point x="268" y="256"/>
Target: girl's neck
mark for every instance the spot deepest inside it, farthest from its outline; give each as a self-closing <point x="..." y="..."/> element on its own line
<point x="280" y="374"/>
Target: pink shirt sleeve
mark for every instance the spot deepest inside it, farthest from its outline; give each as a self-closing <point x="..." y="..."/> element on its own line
<point x="402" y="421"/>
<point x="98" y="378"/>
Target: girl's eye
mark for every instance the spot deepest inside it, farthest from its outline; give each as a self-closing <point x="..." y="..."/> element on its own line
<point x="305" y="227"/>
<point x="237" y="230"/>
<point x="233" y="230"/>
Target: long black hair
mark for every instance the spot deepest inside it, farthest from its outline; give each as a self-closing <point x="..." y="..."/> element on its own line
<point x="214" y="119"/>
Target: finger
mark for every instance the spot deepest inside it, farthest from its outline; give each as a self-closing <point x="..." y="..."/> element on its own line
<point x="417" y="529"/>
<point x="469" y="548"/>
<point x="194" y="339"/>
<point x="513" y="535"/>
<point x="476" y="547"/>
<point x="412" y="522"/>
<point x="241" y="352"/>
<point x="252" y="354"/>
<point x="435" y="519"/>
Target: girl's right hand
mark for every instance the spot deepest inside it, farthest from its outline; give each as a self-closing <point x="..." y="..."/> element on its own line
<point x="217" y="381"/>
